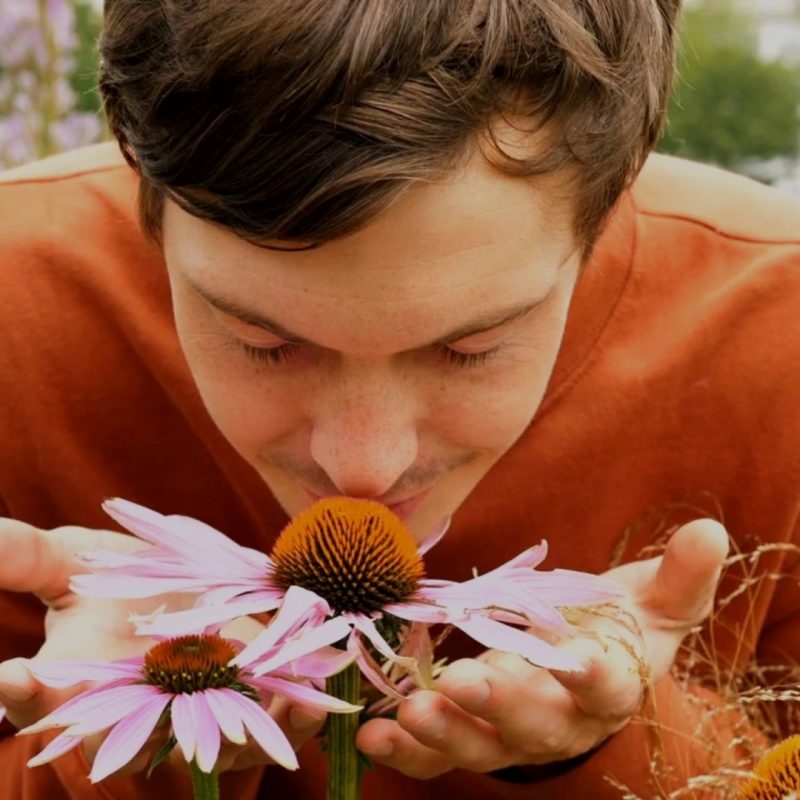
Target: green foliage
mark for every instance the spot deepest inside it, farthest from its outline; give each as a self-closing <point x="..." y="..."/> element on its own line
<point x="84" y="77"/>
<point x="729" y="105"/>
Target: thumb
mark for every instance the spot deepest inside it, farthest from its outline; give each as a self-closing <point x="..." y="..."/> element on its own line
<point x="18" y="692"/>
<point x="686" y="580"/>
<point x="36" y="561"/>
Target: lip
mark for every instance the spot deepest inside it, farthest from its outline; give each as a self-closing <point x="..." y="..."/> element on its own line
<point x="403" y="509"/>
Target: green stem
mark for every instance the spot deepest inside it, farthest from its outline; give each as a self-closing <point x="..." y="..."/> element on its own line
<point x="344" y="773"/>
<point x="205" y="785"/>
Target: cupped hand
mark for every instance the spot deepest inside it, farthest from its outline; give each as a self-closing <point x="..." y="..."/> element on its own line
<point x="41" y="562"/>
<point x="499" y="711"/>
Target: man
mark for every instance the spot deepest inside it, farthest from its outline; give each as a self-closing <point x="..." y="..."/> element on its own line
<point x="390" y="252"/>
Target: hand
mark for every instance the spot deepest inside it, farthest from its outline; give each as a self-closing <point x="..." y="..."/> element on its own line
<point x="42" y="562"/>
<point x="499" y="711"/>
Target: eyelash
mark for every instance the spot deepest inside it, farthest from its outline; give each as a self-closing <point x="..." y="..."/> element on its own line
<point x="282" y="353"/>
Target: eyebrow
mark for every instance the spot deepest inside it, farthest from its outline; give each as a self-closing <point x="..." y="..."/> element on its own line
<point x="481" y="324"/>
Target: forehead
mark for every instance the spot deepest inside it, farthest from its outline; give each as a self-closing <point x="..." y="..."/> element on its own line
<point x="441" y="252"/>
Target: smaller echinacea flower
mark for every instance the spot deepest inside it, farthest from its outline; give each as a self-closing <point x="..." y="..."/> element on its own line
<point x="359" y="566"/>
<point x="188" y="683"/>
<point x="777" y="774"/>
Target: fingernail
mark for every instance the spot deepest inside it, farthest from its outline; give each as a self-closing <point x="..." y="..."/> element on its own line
<point x="381" y="750"/>
<point x="15" y="693"/>
<point x="481" y="692"/>
<point x="433" y="726"/>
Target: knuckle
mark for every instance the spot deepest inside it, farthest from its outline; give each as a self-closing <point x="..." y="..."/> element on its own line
<point x="551" y="741"/>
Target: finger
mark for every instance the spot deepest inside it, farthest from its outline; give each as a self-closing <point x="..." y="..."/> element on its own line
<point x="466" y="741"/>
<point x="536" y="717"/>
<point x="20" y="693"/>
<point x="385" y="742"/>
<point x="36" y="561"/>
<point x="612" y="686"/>
<point x="687" y="577"/>
<point x="298" y="723"/>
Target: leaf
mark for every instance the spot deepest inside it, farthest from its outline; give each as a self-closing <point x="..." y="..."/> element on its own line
<point x="161" y="754"/>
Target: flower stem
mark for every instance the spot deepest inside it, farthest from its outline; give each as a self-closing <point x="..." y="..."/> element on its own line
<point x="344" y="769"/>
<point x="205" y="785"/>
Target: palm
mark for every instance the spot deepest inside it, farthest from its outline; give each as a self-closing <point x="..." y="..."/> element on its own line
<point x="41" y="562"/>
<point x="673" y="593"/>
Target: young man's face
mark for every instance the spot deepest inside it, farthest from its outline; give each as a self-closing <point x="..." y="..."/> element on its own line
<point x="398" y="363"/>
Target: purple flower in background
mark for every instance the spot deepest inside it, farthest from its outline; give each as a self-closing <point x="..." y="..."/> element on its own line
<point x="38" y="43"/>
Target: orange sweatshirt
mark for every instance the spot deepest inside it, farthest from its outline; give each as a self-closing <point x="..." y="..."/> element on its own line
<point x="675" y="395"/>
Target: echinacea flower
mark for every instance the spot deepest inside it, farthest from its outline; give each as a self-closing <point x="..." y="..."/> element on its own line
<point x="188" y="681"/>
<point x="777" y="774"/>
<point x="357" y="557"/>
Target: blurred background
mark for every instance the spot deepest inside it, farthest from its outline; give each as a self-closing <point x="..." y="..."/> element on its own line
<point x="736" y="102"/>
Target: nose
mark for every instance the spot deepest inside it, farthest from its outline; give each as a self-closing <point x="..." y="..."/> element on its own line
<point x="364" y="431"/>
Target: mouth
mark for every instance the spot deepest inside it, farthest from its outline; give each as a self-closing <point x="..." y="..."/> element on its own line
<point x="401" y="508"/>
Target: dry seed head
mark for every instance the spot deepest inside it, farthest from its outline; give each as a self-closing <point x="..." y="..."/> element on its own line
<point x="189" y="664"/>
<point x="356" y="554"/>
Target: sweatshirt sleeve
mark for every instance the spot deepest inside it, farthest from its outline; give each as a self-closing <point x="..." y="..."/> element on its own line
<point x="673" y="739"/>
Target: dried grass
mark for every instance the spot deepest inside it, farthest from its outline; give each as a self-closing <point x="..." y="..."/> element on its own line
<point x="758" y="696"/>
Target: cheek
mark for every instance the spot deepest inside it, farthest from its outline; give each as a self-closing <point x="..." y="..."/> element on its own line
<point x="247" y="405"/>
<point x="250" y="413"/>
<point x="490" y="408"/>
<point x="489" y="415"/>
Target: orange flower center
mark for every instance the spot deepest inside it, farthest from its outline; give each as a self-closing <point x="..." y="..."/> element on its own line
<point x="356" y="554"/>
<point x="777" y="775"/>
<point x="190" y="664"/>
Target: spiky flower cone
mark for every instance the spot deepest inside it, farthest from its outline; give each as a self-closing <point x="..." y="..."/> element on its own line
<point x="777" y="774"/>
<point x="359" y="556"/>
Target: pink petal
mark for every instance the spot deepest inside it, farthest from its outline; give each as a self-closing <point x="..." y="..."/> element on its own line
<point x="492" y="600"/>
<point x="220" y="595"/>
<point x="305" y="695"/>
<point x="208" y="741"/>
<point x="297" y="606"/>
<point x="62" y="743"/>
<point x="420" y="611"/>
<point x="529" y="558"/>
<point x="197" y="619"/>
<point x="184" y="724"/>
<point x="116" y="706"/>
<point x="186" y="536"/>
<point x="563" y="587"/>
<point x="371" y="669"/>
<point x="108" y="559"/>
<point x="270" y="738"/>
<point x="366" y="626"/>
<point x="321" y="663"/>
<point x="87" y="706"/>
<point x="228" y="720"/>
<point x="434" y="537"/>
<point x="60" y="674"/>
<point x="127" y="737"/>
<point x="512" y="640"/>
<point x="303" y="643"/>
<point x="109" y="585"/>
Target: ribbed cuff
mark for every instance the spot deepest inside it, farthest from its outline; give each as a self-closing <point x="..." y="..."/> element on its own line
<point x="532" y="773"/>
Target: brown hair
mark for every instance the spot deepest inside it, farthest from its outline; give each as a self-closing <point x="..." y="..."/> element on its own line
<point x="301" y="120"/>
